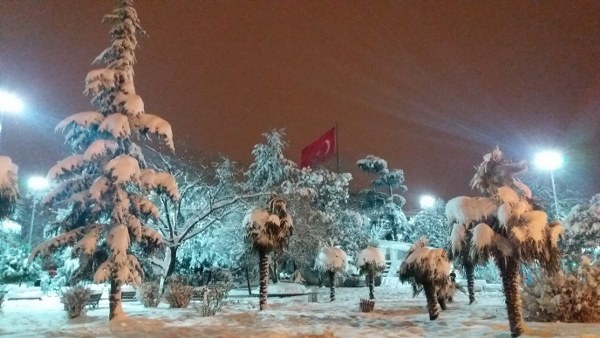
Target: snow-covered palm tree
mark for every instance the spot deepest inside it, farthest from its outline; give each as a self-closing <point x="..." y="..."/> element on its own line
<point x="9" y="189"/>
<point x="268" y="230"/>
<point x="370" y="262"/>
<point x="105" y="185"/>
<point x="428" y="269"/>
<point x="331" y="260"/>
<point x="506" y="226"/>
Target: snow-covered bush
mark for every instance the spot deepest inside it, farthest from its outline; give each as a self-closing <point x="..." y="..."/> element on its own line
<point x="488" y="272"/>
<point x="15" y="267"/>
<point x="75" y="299"/>
<point x="148" y="293"/>
<point x="573" y="297"/>
<point x="178" y="294"/>
<point x="582" y="231"/>
<point x="430" y="222"/>
<point x="212" y="298"/>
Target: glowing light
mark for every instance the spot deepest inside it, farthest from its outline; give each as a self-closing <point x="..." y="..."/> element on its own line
<point x="10" y="103"/>
<point x="427" y="201"/>
<point x="38" y="183"/>
<point x="548" y="160"/>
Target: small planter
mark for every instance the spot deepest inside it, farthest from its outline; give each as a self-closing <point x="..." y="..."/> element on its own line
<point x="366" y="305"/>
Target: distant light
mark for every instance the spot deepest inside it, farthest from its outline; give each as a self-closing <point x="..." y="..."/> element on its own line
<point x="38" y="183"/>
<point x="10" y="103"/>
<point x="427" y="201"/>
<point x="548" y="160"/>
<point x="10" y="226"/>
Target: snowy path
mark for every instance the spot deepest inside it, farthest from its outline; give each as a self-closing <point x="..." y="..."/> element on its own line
<point x="396" y="314"/>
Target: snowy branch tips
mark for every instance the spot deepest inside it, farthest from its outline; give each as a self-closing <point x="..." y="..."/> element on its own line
<point x="105" y="186"/>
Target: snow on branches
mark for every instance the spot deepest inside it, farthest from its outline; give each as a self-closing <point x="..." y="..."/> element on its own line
<point x="9" y="191"/>
<point x="331" y="258"/>
<point x="269" y="229"/>
<point x="106" y="183"/>
<point x="370" y="259"/>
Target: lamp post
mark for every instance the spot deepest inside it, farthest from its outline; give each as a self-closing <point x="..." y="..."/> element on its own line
<point x="550" y="160"/>
<point x="36" y="183"/>
<point x="427" y="201"/>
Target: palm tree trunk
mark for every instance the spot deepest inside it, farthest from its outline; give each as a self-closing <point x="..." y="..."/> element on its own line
<point x="114" y="298"/>
<point x="470" y="271"/>
<point x="509" y="271"/>
<point x="442" y="300"/>
<point x="264" y="278"/>
<point x="331" y="285"/>
<point x="432" y="308"/>
<point x="371" y="277"/>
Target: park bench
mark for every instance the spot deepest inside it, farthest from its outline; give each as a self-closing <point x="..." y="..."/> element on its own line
<point x="127" y="296"/>
<point x="94" y="300"/>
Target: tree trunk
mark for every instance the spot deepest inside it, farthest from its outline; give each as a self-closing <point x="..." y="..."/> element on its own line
<point x="432" y="308"/>
<point x="470" y="271"/>
<point x="173" y="261"/>
<point x="248" y="280"/>
<point x="264" y="278"/>
<point x="114" y="298"/>
<point x="371" y="278"/>
<point x="442" y="300"/>
<point x="273" y="270"/>
<point x="509" y="271"/>
<point x="331" y="285"/>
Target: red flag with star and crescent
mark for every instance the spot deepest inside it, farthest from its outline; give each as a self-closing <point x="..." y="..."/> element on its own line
<point x="320" y="150"/>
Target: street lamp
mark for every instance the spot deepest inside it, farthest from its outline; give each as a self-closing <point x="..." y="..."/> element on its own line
<point x="550" y="160"/>
<point x="427" y="201"/>
<point x="36" y="183"/>
<point x="9" y="103"/>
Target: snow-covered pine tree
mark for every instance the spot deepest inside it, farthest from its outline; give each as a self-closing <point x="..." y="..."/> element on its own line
<point x="431" y="222"/>
<point x="331" y="260"/>
<point x="383" y="201"/>
<point x="582" y="231"/>
<point x="270" y="167"/>
<point x="9" y="188"/>
<point x="105" y="183"/>
<point x="505" y="226"/>
<point x="268" y="230"/>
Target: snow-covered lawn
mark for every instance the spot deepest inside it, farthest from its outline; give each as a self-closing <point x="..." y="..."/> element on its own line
<point x="396" y="314"/>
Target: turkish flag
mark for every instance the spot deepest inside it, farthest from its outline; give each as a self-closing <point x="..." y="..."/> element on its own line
<point x="320" y="150"/>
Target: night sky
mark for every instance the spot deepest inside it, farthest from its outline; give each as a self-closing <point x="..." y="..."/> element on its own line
<point x="429" y="86"/>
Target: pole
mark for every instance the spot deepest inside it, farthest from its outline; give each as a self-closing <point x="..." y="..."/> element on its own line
<point x="337" y="149"/>
<point x="32" y="219"/>
<point x="554" y="192"/>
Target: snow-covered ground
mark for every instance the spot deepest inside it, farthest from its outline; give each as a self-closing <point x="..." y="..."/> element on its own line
<point x="396" y="314"/>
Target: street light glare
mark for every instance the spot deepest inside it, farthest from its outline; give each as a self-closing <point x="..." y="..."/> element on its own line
<point x="548" y="160"/>
<point x="38" y="183"/>
<point x="10" y="103"/>
<point x="427" y="201"/>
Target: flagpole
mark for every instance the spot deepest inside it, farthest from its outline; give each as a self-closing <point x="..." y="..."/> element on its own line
<point x="337" y="148"/>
